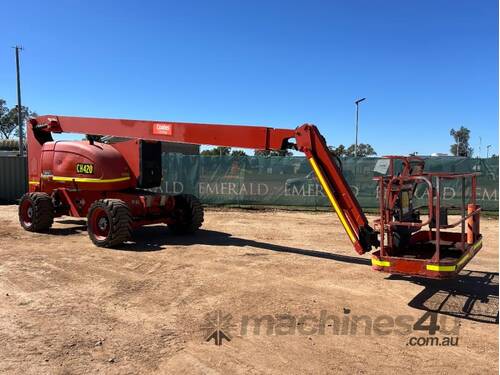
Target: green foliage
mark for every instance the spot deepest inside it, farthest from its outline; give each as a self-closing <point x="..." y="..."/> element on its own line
<point x="217" y="151"/>
<point x="8" y="119"/>
<point x="238" y="153"/>
<point x="339" y="151"/>
<point x="461" y="146"/>
<point x="225" y="151"/>
<point x="272" y="153"/>
<point x="5" y="126"/>
<point x="364" y="149"/>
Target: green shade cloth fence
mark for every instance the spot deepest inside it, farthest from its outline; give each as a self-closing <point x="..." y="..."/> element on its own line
<point x="289" y="181"/>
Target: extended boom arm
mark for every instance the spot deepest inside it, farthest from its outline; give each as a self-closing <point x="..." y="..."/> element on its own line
<point x="307" y="140"/>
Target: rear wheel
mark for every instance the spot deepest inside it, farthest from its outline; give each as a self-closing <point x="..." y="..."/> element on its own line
<point x="109" y="222"/>
<point x="188" y="214"/>
<point x="36" y="212"/>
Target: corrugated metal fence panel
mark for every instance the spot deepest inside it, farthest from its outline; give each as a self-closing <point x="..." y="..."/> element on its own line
<point x="13" y="178"/>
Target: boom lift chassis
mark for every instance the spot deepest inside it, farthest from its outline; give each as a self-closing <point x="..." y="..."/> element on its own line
<point x="106" y="183"/>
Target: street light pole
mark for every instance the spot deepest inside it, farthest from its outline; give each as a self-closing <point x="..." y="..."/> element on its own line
<point x="488" y="151"/>
<point x="19" y="108"/>
<point x="357" y="120"/>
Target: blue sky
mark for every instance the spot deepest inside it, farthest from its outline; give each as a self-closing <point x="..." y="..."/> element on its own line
<point x="424" y="66"/>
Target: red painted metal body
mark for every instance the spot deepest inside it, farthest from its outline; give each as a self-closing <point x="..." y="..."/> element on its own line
<point x="117" y="168"/>
<point x="77" y="174"/>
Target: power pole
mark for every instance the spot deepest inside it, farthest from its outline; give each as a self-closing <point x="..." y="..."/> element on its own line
<point x="357" y="120"/>
<point x="19" y="108"/>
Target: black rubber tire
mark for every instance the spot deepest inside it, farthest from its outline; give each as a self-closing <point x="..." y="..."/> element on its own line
<point x="188" y="214"/>
<point x="119" y="221"/>
<point x="42" y="214"/>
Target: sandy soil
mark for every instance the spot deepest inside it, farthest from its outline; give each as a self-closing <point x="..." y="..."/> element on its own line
<point x="69" y="307"/>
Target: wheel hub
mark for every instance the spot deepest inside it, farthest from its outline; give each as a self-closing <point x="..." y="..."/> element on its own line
<point x="26" y="213"/>
<point x="100" y="224"/>
<point x="103" y="223"/>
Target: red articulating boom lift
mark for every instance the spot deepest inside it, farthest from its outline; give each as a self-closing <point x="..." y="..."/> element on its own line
<point x="107" y="182"/>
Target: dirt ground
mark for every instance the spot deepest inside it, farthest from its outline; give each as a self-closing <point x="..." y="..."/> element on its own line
<point x="69" y="307"/>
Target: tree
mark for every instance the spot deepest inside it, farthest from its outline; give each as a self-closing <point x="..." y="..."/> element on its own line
<point x="217" y="151"/>
<point x="364" y="149"/>
<point x="339" y="151"/>
<point x="6" y="127"/>
<point x="272" y="153"/>
<point x="461" y="146"/>
<point x="238" y="153"/>
<point x="26" y="113"/>
<point x="8" y="119"/>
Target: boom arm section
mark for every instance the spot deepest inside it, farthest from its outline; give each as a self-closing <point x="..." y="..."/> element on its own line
<point x="256" y="137"/>
<point x="307" y="140"/>
<point x="336" y="188"/>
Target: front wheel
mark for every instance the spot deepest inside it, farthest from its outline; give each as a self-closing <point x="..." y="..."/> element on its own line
<point x="36" y="212"/>
<point x="109" y="222"/>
